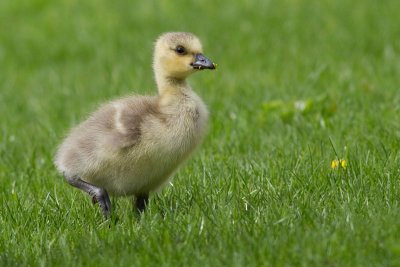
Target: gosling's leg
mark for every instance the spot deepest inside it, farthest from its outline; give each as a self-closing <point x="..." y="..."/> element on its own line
<point x="141" y="202"/>
<point x="98" y="194"/>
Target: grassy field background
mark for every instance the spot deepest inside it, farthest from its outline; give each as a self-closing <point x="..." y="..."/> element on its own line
<point x="300" y="83"/>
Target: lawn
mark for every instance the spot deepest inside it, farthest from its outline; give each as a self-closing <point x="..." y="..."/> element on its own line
<point x="300" y="84"/>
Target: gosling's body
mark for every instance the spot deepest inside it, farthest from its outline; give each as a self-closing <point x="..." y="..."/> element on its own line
<point x="132" y="146"/>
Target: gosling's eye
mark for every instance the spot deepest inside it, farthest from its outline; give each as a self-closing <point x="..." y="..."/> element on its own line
<point x="180" y="50"/>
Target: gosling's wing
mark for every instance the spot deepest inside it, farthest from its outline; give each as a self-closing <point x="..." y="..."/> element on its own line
<point x="113" y="127"/>
<point x="120" y="122"/>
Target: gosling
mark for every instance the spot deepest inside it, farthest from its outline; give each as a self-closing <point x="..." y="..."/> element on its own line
<point x="132" y="146"/>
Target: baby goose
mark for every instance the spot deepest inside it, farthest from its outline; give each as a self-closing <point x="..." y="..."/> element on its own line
<point x="131" y="146"/>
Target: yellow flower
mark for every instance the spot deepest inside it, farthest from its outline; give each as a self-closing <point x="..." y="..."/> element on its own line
<point x="343" y="163"/>
<point x="335" y="164"/>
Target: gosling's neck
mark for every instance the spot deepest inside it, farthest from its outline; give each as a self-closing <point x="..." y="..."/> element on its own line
<point x="168" y="85"/>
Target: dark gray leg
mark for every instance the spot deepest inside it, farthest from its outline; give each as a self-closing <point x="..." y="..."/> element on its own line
<point x="98" y="194"/>
<point x="142" y="201"/>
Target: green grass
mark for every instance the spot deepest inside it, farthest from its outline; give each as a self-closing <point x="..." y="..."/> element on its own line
<point x="299" y="84"/>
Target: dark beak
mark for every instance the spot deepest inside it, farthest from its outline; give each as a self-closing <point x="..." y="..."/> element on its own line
<point x="201" y="62"/>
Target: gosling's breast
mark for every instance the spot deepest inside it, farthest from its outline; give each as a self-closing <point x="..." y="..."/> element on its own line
<point x="185" y="121"/>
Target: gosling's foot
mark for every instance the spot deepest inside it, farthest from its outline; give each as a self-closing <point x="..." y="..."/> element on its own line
<point x="99" y="195"/>
<point x="142" y="201"/>
<point x="103" y="199"/>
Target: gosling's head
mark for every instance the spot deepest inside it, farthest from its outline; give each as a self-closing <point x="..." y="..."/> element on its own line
<point x="179" y="54"/>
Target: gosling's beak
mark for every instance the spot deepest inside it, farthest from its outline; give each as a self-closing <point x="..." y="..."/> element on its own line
<point x="201" y="62"/>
